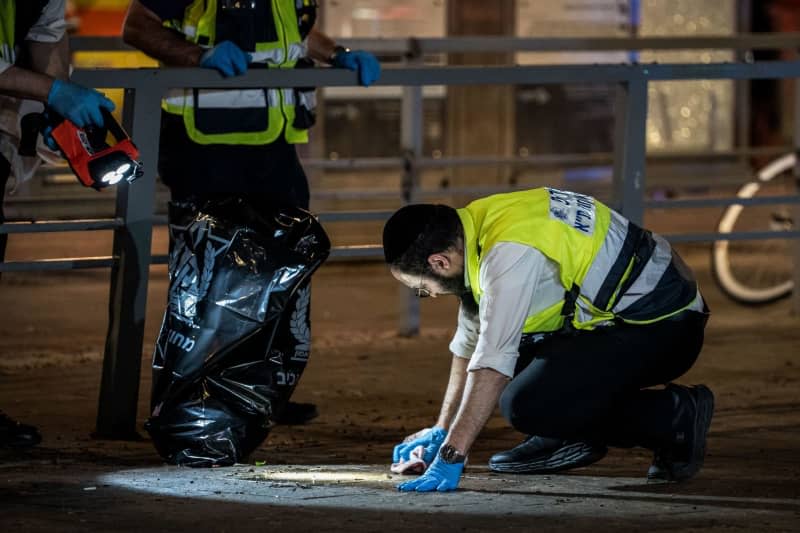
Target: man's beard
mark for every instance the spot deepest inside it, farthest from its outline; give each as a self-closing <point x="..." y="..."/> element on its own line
<point x="455" y="285"/>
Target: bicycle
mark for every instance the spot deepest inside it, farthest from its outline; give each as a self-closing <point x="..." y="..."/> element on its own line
<point x="759" y="271"/>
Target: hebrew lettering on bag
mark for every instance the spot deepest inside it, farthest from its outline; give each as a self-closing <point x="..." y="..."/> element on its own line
<point x="286" y="378"/>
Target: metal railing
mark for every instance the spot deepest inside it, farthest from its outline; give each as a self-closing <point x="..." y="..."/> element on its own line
<point x="132" y="225"/>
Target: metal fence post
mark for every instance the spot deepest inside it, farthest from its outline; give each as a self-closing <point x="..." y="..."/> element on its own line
<point x="630" y="147"/>
<point x="119" y="387"/>
<point x="411" y="117"/>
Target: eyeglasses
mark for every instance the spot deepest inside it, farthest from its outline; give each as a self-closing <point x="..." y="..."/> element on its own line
<point x="420" y="291"/>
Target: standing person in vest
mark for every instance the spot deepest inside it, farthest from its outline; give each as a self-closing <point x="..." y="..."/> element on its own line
<point x="219" y="143"/>
<point x="34" y="65"/>
<point x="569" y="312"/>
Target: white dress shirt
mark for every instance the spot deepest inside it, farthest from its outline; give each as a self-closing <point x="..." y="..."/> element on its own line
<point x="518" y="281"/>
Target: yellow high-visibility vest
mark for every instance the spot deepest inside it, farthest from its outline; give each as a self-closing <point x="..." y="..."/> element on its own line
<point x="250" y="116"/>
<point x="610" y="268"/>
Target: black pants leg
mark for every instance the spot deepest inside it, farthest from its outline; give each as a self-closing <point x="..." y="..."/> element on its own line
<point x="589" y="386"/>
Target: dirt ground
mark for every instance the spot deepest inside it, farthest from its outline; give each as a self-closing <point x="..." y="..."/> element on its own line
<point x="372" y="388"/>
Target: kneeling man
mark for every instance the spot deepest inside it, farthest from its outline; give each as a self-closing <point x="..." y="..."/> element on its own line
<point x="569" y="314"/>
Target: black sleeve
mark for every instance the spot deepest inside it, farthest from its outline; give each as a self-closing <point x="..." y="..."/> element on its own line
<point x="167" y="9"/>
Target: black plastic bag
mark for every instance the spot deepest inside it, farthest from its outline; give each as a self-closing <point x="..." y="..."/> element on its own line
<point x="235" y="336"/>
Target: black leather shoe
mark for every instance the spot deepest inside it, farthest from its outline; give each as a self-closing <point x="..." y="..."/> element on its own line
<point x="683" y="458"/>
<point x="295" y="414"/>
<point x="16" y="435"/>
<point x="540" y="455"/>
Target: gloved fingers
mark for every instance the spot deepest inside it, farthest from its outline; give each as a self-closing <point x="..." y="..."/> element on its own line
<point x="240" y="61"/>
<point x="78" y="117"/>
<point x="430" y="438"/>
<point x="427" y="484"/>
<point x="95" y="102"/>
<point x="47" y="137"/>
<point x="79" y="104"/>
<point x="446" y="485"/>
<point x="396" y="453"/>
<point x="227" y="58"/>
<point x="225" y="68"/>
<point x="369" y="69"/>
<point x="411" y="485"/>
<point x="238" y="65"/>
<point x="107" y="103"/>
<point x="430" y="451"/>
<point x="403" y="451"/>
<point x="94" y="116"/>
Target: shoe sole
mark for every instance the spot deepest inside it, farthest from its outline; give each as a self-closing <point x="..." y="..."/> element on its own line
<point x="704" y="401"/>
<point x="566" y="458"/>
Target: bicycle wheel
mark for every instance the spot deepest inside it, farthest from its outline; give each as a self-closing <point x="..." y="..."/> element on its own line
<point x="758" y="271"/>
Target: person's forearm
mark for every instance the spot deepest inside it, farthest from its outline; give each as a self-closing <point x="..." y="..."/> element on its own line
<point x="23" y="83"/>
<point x="454" y="392"/>
<point x="50" y="58"/>
<point x="320" y="46"/>
<point x="482" y="391"/>
<point x="145" y="31"/>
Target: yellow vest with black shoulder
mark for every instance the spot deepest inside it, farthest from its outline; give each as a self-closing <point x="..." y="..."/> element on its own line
<point x="250" y="116"/>
<point x="611" y="269"/>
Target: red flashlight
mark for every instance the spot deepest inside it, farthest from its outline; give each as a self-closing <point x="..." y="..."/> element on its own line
<point x="96" y="163"/>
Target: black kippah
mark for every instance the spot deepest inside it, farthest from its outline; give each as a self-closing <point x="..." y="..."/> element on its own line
<point x="403" y="228"/>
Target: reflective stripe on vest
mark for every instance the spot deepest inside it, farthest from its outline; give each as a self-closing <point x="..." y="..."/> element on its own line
<point x="616" y="267"/>
<point x="255" y="116"/>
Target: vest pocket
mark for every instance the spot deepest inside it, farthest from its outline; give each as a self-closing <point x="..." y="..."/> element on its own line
<point x="304" y="110"/>
<point x="305" y="101"/>
<point x="219" y="112"/>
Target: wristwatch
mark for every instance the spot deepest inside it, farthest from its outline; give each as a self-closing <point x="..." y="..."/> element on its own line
<point x="450" y="455"/>
<point x="338" y="49"/>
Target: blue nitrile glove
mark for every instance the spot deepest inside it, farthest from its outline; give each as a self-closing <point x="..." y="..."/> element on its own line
<point x="47" y="132"/>
<point x="227" y="58"/>
<point x="432" y="440"/>
<point x="365" y="63"/>
<point x="80" y="105"/>
<point x="47" y="137"/>
<point x="440" y="476"/>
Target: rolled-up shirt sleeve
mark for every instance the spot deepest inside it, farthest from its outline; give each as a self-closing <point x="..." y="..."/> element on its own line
<point x="509" y="275"/>
<point x="4" y="65"/>
<point x="466" y="338"/>
<point x="51" y="26"/>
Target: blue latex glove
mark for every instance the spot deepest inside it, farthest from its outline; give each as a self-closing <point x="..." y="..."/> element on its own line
<point x="78" y="104"/>
<point x="47" y="136"/>
<point x="440" y="476"/>
<point x="432" y="440"/>
<point x="366" y="64"/>
<point x="227" y="58"/>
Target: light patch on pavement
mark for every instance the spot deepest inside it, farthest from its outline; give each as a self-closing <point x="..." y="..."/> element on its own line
<point x="481" y="492"/>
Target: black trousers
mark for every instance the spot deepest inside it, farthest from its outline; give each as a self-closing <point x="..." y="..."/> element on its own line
<point x="267" y="174"/>
<point x="591" y="386"/>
